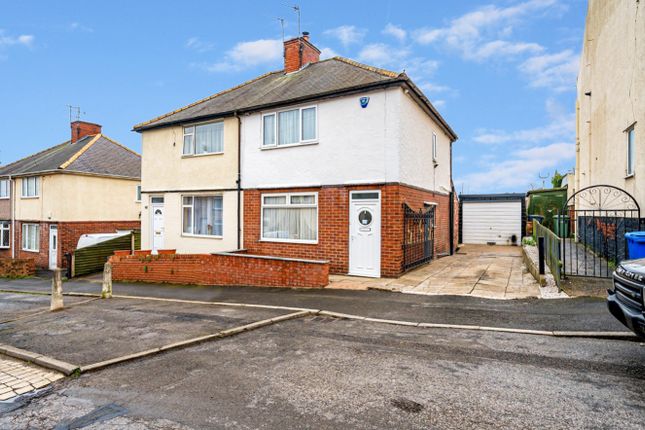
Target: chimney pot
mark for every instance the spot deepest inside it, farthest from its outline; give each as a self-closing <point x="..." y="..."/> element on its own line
<point x="80" y="129"/>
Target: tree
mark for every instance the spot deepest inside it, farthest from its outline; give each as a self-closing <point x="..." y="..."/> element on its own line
<point x="556" y="180"/>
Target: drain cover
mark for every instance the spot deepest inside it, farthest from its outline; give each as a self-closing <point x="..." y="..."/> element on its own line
<point x="103" y="413"/>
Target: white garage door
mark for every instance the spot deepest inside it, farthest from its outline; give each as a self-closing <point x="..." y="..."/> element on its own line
<point x="492" y="221"/>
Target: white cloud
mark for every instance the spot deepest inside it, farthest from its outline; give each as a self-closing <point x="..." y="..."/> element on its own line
<point x="395" y="31"/>
<point x="347" y="34"/>
<point x="196" y="44"/>
<point x="438" y="103"/>
<point x="77" y="26"/>
<point x="327" y="53"/>
<point x="22" y="40"/>
<point x="556" y="71"/>
<point x="562" y="127"/>
<point x="434" y="88"/>
<point x="519" y="170"/>
<point x="468" y="33"/>
<point x="381" y="54"/>
<point x="249" y="54"/>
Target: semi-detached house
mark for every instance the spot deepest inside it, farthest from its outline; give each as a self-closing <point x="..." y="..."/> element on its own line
<point x="314" y="161"/>
<point x="48" y="200"/>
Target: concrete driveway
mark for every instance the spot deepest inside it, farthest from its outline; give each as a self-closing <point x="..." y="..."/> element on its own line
<point x="494" y="272"/>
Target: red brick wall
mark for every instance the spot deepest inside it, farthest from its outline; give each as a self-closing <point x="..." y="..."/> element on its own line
<point x="219" y="269"/>
<point x="17" y="268"/>
<point x="333" y="225"/>
<point x="68" y="235"/>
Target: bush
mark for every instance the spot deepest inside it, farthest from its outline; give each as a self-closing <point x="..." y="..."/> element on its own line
<point x="529" y="241"/>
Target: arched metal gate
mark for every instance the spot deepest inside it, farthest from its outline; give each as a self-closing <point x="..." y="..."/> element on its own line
<point x="592" y="225"/>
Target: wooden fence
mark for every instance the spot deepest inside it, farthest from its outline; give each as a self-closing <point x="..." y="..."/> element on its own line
<point x="552" y="249"/>
<point x="91" y="259"/>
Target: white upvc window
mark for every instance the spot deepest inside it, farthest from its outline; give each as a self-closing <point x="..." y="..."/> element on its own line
<point x="31" y="186"/>
<point x="434" y="146"/>
<point x="291" y="217"/>
<point x="5" y="228"/>
<point x="631" y="151"/>
<point x="31" y="237"/>
<point x="137" y="197"/>
<point x="4" y="188"/>
<point x="202" y="216"/>
<point x="202" y="139"/>
<point x="290" y="127"/>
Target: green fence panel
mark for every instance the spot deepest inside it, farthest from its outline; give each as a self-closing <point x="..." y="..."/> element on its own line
<point x="547" y="203"/>
<point x="552" y="246"/>
<point x="92" y="258"/>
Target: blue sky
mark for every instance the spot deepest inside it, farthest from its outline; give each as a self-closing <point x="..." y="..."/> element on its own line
<point x="501" y="72"/>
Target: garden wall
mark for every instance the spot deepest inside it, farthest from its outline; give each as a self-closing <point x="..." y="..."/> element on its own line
<point x="17" y="268"/>
<point x="224" y="269"/>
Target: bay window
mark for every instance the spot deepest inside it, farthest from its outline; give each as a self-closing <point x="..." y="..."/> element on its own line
<point x="204" y="139"/>
<point x="31" y="237"/>
<point x="30" y="186"/>
<point x="289" y="127"/>
<point x="202" y="215"/>
<point x="4" y="234"/>
<point x="290" y="217"/>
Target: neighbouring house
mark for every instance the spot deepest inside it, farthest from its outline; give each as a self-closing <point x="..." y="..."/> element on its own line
<point x="88" y="184"/>
<point x="315" y="161"/>
<point x="610" y="103"/>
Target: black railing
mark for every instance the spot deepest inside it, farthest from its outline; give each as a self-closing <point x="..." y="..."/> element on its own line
<point x="418" y="236"/>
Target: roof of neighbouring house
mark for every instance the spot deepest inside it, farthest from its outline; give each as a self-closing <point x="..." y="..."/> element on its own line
<point x="325" y="78"/>
<point x="94" y="154"/>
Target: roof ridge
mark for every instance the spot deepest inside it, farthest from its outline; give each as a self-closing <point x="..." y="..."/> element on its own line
<point x="378" y="70"/>
<point x="34" y="154"/>
<point x="121" y="145"/>
<point x="205" y="99"/>
<point x="80" y="152"/>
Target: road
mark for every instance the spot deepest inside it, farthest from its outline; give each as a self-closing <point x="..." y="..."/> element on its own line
<point x="326" y="373"/>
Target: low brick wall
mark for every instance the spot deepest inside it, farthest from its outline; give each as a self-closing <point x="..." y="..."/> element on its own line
<point x="17" y="268"/>
<point x="224" y="269"/>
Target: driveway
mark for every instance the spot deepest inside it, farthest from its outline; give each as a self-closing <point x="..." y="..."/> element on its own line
<point x="494" y="272"/>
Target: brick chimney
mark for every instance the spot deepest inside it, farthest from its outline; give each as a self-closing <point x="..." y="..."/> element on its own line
<point x="299" y="52"/>
<point x="80" y="129"/>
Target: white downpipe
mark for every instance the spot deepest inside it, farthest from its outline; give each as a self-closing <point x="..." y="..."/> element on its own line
<point x="12" y="207"/>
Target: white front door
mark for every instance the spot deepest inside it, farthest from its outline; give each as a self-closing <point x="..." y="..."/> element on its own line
<point x="365" y="233"/>
<point x="157" y="224"/>
<point x="53" y="247"/>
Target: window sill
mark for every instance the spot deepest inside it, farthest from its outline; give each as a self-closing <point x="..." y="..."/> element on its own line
<point x="201" y="155"/>
<point x="302" y="242"/>
<point x="630" y="176"/>
<point x="4" y="247"/>
<point x="202" y="236"/>
<point x="31" y="250"/>
<point x="292" y="145"/>
<point x="30" y="197"/>
<point x="4" y="198"/>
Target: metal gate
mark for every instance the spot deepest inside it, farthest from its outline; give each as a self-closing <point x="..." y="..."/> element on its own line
<point x="592" y="225"/>
<point x="418" y="236"/>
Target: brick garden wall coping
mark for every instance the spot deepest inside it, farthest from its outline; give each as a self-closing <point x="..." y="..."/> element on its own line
<point x="223" y="269"/>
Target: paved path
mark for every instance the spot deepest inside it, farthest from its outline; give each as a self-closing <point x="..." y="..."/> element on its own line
<point x="18" y="377"/>
<point x="493" y="272"/>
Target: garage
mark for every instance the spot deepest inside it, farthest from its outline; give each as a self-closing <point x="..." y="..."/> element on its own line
<point x="492" y="219"/>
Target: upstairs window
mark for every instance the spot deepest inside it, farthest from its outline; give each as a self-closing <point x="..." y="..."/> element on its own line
<point x="4" y="234"/>
<point x="290" y="127"/>
<point x="434" y="146"/>
<point x="631" y="151"/>
<point x="138" y="194"/>
<point x="31" y="186"/>
<point x="4" y="188"/>
<point x="204" y="139"/>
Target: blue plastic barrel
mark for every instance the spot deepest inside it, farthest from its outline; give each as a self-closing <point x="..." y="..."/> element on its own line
<point x="636" y="244"/>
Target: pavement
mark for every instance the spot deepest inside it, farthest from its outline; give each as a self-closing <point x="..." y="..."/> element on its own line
<point x="328" y="373"/>
<point x="18" y="377"/>
<point x="579" y="314"/>
<point x="494" y="272"/>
